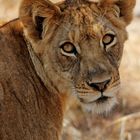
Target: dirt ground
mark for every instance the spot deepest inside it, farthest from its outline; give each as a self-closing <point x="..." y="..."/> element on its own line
<point x="124" y="122"/>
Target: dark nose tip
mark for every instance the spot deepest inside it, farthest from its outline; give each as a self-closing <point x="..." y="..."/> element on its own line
<point x="100" y="86"/>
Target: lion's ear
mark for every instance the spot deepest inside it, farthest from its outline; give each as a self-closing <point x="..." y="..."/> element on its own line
<point x="33" y="13"/>
<point x="122" y="8"/>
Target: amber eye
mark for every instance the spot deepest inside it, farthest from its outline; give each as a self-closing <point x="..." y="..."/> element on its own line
<point x="109" y="40"/>
<point x="68" y="49"/>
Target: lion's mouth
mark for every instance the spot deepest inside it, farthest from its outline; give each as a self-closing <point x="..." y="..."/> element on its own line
<point x="100" y="100"/>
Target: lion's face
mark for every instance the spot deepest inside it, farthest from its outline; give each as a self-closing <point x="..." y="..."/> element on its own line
<point x="81" y="53"/>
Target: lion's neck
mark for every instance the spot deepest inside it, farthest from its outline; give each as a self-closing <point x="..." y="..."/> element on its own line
<point x="38" y="67"/>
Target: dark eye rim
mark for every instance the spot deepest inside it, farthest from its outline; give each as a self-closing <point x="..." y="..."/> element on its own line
<point x="112" y="38"/>
<point x="74" y="51"/>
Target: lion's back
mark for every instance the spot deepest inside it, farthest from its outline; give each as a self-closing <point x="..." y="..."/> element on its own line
<point x="22" y="92"/>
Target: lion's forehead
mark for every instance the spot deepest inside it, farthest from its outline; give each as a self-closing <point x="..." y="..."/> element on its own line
<point x="84" y="21"/>
<point x="81" y="33"/>
<point x="83" y="14"/>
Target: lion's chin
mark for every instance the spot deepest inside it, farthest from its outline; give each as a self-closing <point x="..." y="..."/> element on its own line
<point x="100" y="106"/>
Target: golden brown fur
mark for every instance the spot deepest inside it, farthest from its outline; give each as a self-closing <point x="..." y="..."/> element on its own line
<point x="24" y="100"/>
<point x="95" y="31"/>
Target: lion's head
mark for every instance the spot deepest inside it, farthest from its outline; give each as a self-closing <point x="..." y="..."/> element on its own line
<point x="79" y="44"/>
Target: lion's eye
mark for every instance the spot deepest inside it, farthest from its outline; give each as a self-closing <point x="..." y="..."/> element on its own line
<point x="68" y="49"/>
<point x="109" y="40"/>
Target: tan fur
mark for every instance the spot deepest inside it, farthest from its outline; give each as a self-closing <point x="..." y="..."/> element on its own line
<point x="84" y="24"/>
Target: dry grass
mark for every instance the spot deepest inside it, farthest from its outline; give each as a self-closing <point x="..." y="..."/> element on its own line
<point x="9" y="9"/>
<point x="124" y="123"/>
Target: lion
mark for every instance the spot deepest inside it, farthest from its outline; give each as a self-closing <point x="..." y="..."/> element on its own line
<point x="76" y="48"/>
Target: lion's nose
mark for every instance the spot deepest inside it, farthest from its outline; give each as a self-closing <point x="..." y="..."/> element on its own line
<point x="100" y="86"/>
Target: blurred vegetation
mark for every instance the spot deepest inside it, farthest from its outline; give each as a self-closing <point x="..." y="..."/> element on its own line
<point x="124" y="122"/>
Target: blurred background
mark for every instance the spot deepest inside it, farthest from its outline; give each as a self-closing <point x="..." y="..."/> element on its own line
<point x="124" y="122"/>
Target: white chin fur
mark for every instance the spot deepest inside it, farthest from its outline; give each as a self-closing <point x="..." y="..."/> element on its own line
<point x="101" y="108"/>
